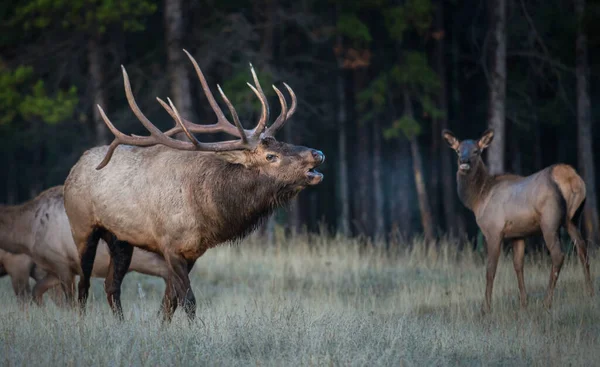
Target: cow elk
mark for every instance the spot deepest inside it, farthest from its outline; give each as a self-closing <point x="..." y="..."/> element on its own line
<point x="180" y="198"/>
<point x="513" y="207"/>
<point x="39" y="229"/>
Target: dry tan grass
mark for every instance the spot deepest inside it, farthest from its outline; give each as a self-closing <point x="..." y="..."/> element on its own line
<point x="321" y="301"/>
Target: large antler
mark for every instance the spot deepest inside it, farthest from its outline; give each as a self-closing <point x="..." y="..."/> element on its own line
<point x="247" y="138"/>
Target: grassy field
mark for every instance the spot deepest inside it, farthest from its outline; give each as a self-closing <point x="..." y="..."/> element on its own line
<point x="321" y="301"/>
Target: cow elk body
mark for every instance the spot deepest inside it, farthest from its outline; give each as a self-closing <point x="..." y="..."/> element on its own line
<point x="39" y="230"/>
<point x="513" y="207"/>
<point x="180" y="198"/>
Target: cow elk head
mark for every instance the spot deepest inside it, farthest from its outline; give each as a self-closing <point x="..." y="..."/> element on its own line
<point x="468" y="151"/>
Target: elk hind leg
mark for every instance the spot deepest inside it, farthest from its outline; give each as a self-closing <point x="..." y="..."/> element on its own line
<point x="120" y="259"/>
<point x="87" y="256"/>
<point x="518" y="262"/>
<point x="583" y="255"/>
<point x="550" y="232"/>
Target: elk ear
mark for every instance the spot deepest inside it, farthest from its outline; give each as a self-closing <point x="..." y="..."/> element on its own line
<point x="234" y="156"/>
<point x="486" y="139"/>
<point x="450" y="139"/>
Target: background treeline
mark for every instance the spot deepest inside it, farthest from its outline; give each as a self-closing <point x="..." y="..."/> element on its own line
<point x="377" y="80"/>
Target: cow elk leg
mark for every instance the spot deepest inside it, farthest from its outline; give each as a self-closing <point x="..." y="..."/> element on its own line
<point x="42" y="286"/>
<point x="583" y="255"/>
<point x="493" y="247"/>
<point x="553" y="244"/>
<point x="518" y="259"/>
<point x="88" y="255"/>
<point x="120" y="259"/>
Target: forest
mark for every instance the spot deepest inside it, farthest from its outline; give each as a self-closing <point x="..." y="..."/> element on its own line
<point x="376" y="80"/>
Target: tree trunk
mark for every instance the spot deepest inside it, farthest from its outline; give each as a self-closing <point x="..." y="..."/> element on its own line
<point x="176" y="61"/>
<point x="584" y="127"/>
<point x="444" y="154"/>
<point x="424" y="207"/>
<point x="378" y="203"/>
<point x="497" y="85"/>
<point x="362" y="196"/>
<point x="343" y="192"/>
<point x="97" y="85"/>
<point x="515" y="150"/>
<point x="400" y="209"/>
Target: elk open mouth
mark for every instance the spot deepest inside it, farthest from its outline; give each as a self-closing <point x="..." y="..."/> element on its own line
<point x="314" y="176"/>
<point x="464" y="167"/>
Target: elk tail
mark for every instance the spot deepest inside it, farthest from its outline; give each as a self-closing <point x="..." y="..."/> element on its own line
<point x="578" y="216"/>
<point x="561" y="198"/>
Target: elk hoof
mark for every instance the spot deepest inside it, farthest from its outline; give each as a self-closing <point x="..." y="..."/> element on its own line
<point x="590" y="291"/>
<point x="547" y="305"/>
<point x="485" y="309"/>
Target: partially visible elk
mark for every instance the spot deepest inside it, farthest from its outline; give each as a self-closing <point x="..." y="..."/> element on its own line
<point x="513" y="207"/>
<point x="19" y="267"/>
<point x="180" y="198"/>
<point x="39" y="229"/>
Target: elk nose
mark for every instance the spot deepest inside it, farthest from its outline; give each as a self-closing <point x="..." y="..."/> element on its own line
<point x="318" y="156"/>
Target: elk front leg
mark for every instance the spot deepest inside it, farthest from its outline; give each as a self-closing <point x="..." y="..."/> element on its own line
<point x="583" y="255"/>
<point x="518" y="259"/>
<point x="120" y="259"/>
<point x="493" y="247"/>
<point x="179" y="291"/>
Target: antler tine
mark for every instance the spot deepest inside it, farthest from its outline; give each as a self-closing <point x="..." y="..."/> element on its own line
<point x="294" y="102"/>
<point x="222" y="123"/>
<point x="177" y="118"/>
<point x="282" y="116"/>
<point x="265" y="106"/>
<point x="234" y="114"/>
<point x="120" y="138"/>
<point x="154" y="131"/>
<point x="262" y="123"/>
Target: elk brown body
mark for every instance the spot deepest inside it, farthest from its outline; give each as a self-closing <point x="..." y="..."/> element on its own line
<point x="512" y="207"/>
<point x="39" y="229"/>
<point x="180" y="198"/>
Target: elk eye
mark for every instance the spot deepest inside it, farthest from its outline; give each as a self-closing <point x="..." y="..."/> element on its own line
<point x="271" y="157"/>
<point x="476" y="151"/>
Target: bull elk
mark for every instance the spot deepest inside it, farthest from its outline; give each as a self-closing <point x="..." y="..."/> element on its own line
<point x="180" y="198"/>
<point x="513" y="207"/>
<point x="39" y="229"/>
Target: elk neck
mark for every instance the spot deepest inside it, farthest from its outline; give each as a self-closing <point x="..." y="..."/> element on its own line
<point x="474" y="186"/>
<point x="242" y="199"/>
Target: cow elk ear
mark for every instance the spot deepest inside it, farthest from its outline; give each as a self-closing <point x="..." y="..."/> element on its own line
<point x="486" y="139"/>
<point x="234" y="157"/>
<point x="450" y="139"/>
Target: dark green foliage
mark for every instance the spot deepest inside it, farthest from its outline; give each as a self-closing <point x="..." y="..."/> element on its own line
<point x="22" y="97"/>
<point x="93" y="16"/>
